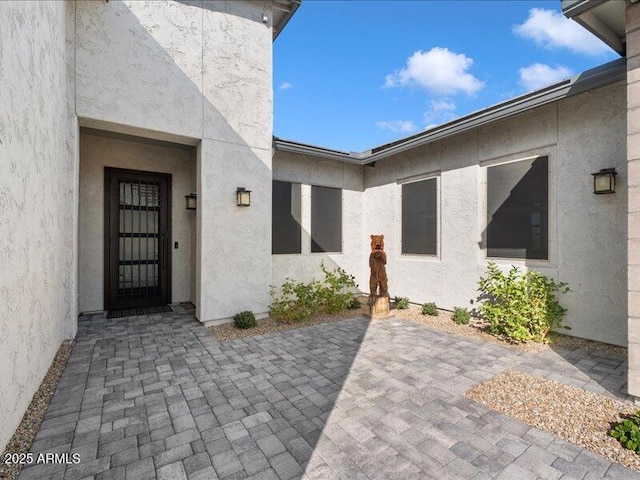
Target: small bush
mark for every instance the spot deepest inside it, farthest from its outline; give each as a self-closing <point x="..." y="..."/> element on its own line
<point x="244" y="319"/>
<point x="461" y="315"/>
<point x="355" y="303"/>
<point x="627" y="432"/>
<point x="402" y="303"/>
<point x="335" y="290"/>
<point x="299" y="301"/>
<point x="430" y="309"/>
<point x="521" y="306"/>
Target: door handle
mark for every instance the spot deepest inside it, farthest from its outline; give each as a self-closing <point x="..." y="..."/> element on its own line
<point x="165" y="251"/>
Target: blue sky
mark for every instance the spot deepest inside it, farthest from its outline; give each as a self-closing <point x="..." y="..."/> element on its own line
<point x="352" y="75"/>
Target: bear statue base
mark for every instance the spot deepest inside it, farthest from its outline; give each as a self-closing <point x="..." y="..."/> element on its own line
<point x="378" y="306"/>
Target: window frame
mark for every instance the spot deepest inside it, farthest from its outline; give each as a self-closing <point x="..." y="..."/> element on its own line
<point x="551" y="260"/>
<point x="300" y="228"/>
<point x="416" y="179"/>
<point x="332" y="252"/>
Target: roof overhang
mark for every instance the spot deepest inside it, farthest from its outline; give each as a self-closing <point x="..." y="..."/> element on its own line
<point x="283" y="10"/>
<point x="604" y="18"/>
<point x="283" y="145"/>
<point x="606" y="74"/>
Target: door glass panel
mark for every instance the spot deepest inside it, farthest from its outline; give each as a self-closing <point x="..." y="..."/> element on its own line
<point x="138" y="239"/>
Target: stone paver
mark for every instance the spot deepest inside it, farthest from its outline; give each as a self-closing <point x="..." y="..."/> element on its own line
<point x="157" y="397"/>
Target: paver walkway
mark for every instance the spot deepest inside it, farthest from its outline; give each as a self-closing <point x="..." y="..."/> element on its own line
<point x="159" y="397"/>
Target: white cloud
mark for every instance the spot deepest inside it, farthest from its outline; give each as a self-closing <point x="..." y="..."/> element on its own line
<point x="551" y="29"/>
<point x="439" y="112"/>
<point x="285" y="86"/>
<point x="398" y="126"/>
<point x="540" y="75"/>
<point x="439" y="71"/>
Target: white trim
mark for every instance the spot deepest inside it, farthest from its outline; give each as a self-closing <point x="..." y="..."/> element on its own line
<point x="529" y="154"/>
<point x="418" y="178"/>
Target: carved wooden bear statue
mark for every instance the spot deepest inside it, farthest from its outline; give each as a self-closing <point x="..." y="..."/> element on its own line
<point x="377" y="262"/>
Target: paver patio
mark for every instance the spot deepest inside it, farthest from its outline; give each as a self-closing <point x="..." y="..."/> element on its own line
<point x="159" y="397"/>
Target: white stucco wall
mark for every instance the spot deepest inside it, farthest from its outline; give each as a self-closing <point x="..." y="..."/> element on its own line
<point x="200" y="71"/>
<point x="592" y="251"/>
<point x="235" y="242"/>
<point x="98" y="152"/>
<point x="37" y="191"/>
<point x="309" y="171"/>
<point x="587" y="232"/>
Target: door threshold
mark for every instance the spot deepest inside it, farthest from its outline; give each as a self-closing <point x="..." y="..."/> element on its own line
<point x="132" y="312"/>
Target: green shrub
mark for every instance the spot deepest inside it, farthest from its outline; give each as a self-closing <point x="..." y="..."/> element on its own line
<point x="355" y="303"/>
<point x="244" y="319"/>
<point x="401" y="303"/>
<point x="461" y="315"/>
<point x="297" y="303"/>
<point x="430" y="309"/>
<point x="335" y="291"/>
<point x="299" y="300"/>
<point x="521" y="306"/>
<point x="627" y="432"/>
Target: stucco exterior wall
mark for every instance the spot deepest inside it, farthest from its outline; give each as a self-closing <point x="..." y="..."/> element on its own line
<point x="633" y="157"/>
<point x="98" y="152"/>
<point x="140" y="64"/>
<point x="580" y="135"/>
<point x="309" y="171"/>
<point x="37" y="285"/>
<point x="592" y="229"/>
<point x="200" y="72"/>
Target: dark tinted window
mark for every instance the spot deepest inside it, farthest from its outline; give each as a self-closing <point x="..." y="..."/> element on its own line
<point x="517" y="209"/>
<point x="326" y="219"/>
<point x="419" y="217"/>
<point x="285" y="218"/>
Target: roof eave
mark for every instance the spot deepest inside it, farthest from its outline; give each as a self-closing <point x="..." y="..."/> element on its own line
<point x="573" y="8"/>
<point x="598" y="77"/>
<point x="288" y="7"/>
<point x="283" y="145"/>
<point x="607" y="74"/>
<point x="584" y="12"/>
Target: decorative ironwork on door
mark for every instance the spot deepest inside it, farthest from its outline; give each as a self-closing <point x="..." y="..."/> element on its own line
<point x="138" y="239"/>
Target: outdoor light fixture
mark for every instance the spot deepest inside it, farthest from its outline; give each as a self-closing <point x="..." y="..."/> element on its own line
<point x="192" y="201"/>
<point x="243" y="197"/>
<point x="604" y="181"/>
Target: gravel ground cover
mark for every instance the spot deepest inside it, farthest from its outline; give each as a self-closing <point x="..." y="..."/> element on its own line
<point x="570" y="413"/>
<point x="22" y="439"/>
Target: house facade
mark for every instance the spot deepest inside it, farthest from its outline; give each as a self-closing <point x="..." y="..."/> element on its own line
<point x="114" y="111"/>
<point x="447" y="204"/>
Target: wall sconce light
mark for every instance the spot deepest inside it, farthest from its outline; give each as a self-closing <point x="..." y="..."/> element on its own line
<point x="604" y="181"/>
<point x="192" y="201"/>
<point x="243" y="197"/>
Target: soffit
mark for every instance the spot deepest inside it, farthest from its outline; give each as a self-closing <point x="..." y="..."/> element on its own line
<point x="604" y="18"/>
<point x="283" y="10"/>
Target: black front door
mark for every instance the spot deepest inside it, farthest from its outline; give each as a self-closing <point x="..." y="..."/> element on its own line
<point x="137" y="239"/>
